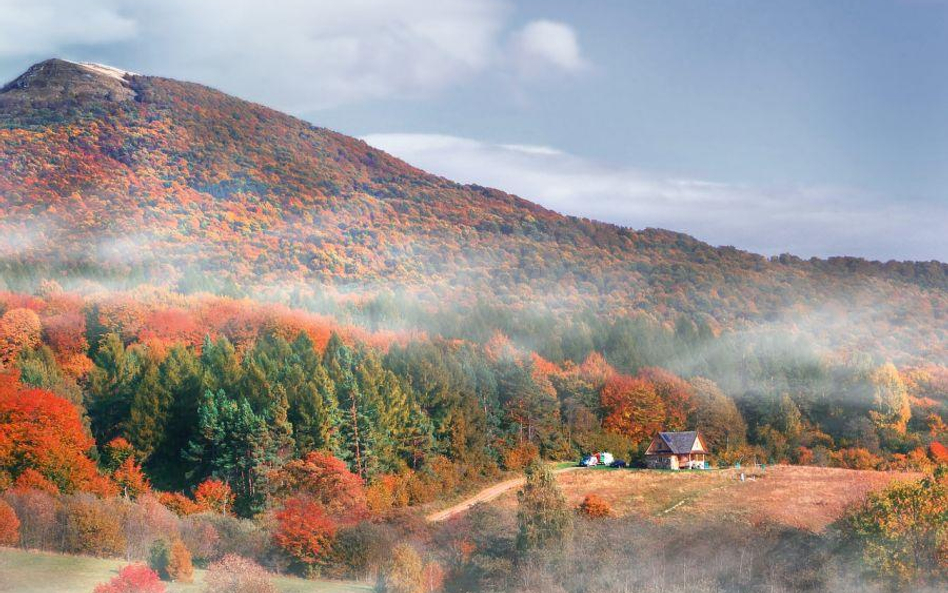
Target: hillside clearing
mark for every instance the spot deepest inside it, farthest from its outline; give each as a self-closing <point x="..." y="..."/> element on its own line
<point x="24" y="571"/>
<point x="802" y="497"/>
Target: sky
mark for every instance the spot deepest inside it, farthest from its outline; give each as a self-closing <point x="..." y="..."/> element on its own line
<point x="789" y="126"/>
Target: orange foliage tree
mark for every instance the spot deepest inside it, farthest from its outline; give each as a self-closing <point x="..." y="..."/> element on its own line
<point x="9" y="525"/>
<point x="131" y="479"/>
<point x="676" y="394"/>
<point x="19" y="329"/>
<point x="214" y="495"/>
<point x="632" y="408"/>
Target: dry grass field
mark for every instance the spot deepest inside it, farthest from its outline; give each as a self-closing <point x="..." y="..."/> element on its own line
<point x="24" y="571"/>
<point x="795" y="496"/>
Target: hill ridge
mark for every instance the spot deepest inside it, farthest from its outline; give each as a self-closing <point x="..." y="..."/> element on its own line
<point x="178" y="184"/>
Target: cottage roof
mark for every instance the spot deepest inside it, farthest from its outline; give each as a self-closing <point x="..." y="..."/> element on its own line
<point x="680" y="443"/>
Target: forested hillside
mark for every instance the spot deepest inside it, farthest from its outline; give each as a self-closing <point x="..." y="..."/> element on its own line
<point x="123" y="179"/>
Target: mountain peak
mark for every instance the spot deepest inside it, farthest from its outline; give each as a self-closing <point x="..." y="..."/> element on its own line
<point x="55" y="81"/>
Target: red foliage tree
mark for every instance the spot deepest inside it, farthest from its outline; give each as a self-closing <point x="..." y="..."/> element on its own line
<point x="214" y="495"/>
<point x="632" y="408"/>
<point x="9" y="525"/>
<point x="304" y="531"/>
<point x="328" y="480"/>
<point x="66" y="335"/>
<point x="134" y="578"/>
<point x="44" y="432"/>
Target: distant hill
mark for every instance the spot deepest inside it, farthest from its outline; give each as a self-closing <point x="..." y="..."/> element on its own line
<point x="115" y="176"/>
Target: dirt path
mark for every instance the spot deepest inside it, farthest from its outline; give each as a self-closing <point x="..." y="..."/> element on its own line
<point x="484" y="495"/>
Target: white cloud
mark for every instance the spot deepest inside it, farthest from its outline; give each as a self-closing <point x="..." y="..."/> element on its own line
<point x="38" y="27"/>
<point x="807" y="221"/>
<point x="296" y="55"/>
<point x="542" y="44"/>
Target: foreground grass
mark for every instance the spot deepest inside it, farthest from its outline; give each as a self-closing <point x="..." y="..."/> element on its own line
<point x="43" y="572"/>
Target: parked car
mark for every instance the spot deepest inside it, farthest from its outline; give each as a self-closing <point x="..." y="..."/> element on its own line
<point x="619" y="463"/>
<point x="589" y="461"/>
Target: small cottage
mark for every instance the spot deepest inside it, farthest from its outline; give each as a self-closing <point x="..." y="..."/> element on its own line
<point x="676" y="450"/>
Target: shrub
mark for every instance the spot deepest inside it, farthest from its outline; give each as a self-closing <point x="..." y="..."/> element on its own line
<point x="855" y="458"/>
<point x="903" y="529"/>
<point x="359" y="550"/>
<point x="38" y="513"/>
<point x="201" y="538"/>
<point x="235" y="574"/>
<point x="145" y="521"/>
<point x="594" y="506"/>
<point x="180" y="569"/>
<point x="172" y="561"/>
<point x="304" y="532"/>
<point x="240" y="537"/>
<point x="9" y="525"/>
<point x="134" y="578"/>
<point x="92" y="527"/>
<point x="803" y="456"/>
<point x="214" y="495"/>
<point x="404" y="572"/>
<point x="433" y="577"/>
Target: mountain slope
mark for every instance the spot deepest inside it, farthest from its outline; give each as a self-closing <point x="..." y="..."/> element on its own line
<point x="164" y="181"/>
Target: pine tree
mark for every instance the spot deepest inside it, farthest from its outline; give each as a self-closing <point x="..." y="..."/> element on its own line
<point x="356" y="426"/>
<point x="150" y="409"/>
<point x="110" y="386"/>
<point x="235" y="445"/>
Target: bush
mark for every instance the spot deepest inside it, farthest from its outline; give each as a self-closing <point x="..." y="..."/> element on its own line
<point x="145" y="521"/>
<point x="134" y="578"/>
<point x="180" y="569"/>
<point x="201" y="538"/>
<point x="404" y="572"/>
<point x="359" y="551"/>
<point x="304" y="532"/>
<point x="9" y="525"/>
<point x="38" y="513"/>
<point x="93" y="527"/>
<point x="855" y="458"/>
<point x="240" y="537"/>
<point x="171" y="561"/>
<point x="594" y="506"/>
<point x="234" y="574"/>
